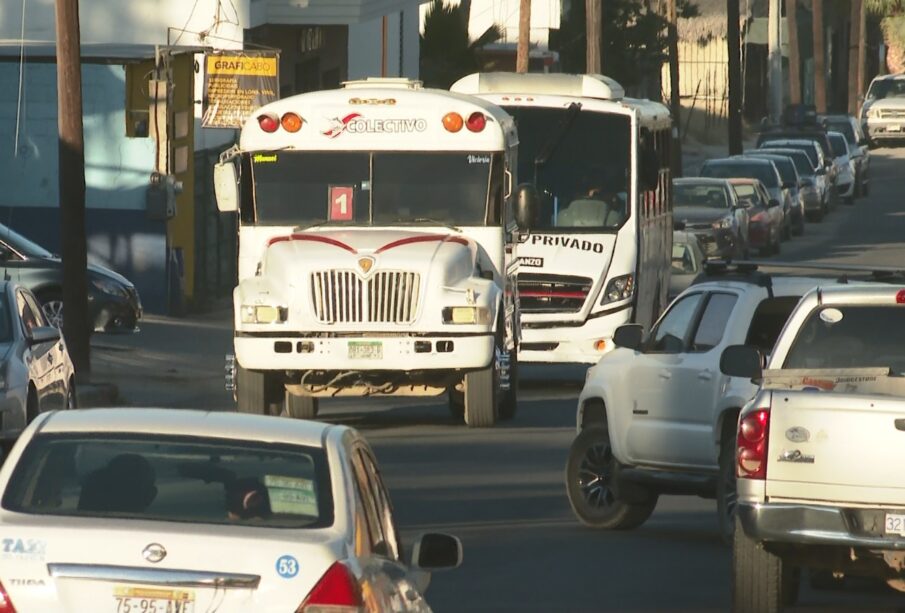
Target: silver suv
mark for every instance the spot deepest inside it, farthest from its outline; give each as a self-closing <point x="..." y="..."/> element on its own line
<point x="883" y="112"/>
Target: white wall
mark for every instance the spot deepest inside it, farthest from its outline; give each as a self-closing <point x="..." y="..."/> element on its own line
<point x="545" y="15"/>
<point x="365" y="41"/>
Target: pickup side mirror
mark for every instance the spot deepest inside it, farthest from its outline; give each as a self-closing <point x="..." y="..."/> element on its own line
<point x="741" y="361"/>
<point x="629" y="336"/>
<point x="437" y="551"/>
<point x="527" y="206"/>
<point x="226" y="186"/>
<point x="772" y="203"/>
<point x="43" y="334"/>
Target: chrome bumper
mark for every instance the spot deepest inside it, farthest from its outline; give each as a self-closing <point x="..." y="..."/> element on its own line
<point x="802" y="524"/>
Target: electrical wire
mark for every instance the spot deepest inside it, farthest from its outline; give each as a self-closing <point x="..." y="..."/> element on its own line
<point x="21" y="81"/>
<point x="187" y="22"/>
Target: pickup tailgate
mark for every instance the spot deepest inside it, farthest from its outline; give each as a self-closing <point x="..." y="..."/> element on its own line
<point x="827" y="446"/>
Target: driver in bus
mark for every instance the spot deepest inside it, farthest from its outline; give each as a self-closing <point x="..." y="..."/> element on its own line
<point x="596" y="208"/>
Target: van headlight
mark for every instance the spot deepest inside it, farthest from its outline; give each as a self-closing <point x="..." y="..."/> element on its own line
<point x="262" y="314"/>
<point x="466" y="315"/>
<point x="873" y="113"/>
<point x="618" y="289"/>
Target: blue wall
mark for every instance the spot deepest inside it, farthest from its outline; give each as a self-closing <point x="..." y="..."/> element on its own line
<point x="116" y="173"/>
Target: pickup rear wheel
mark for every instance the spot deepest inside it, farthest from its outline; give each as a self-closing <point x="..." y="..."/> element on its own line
<point x="482" y="396"/>
<point x="760" y="583"/>
<point x="591" y="486"/>
<point x="300" y="407"/>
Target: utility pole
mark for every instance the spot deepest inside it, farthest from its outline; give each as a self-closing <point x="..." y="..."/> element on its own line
<point x="794" y="52"/>
<point x="855" y="45"/>
<point x="675" y="104"/>
<point x="733" y="54"/>
<point x="819" y="58"/>
<point x="72" y="187"/>
<point x="593" y="26"/>
<point x="524" y="36"/>
<point x="775" y="61"/>
<point x="862" y="56"/>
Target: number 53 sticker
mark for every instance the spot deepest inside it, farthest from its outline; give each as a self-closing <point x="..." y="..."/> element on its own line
<point x="287" y="567"/>
<point x="341" y="203"/>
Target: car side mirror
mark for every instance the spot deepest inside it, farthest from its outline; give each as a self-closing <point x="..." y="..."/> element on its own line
<point x="527" y="206"/>
<point x="629" y="336"/>
<point x="742" y="361"/>
<point x="772" y="203"/>
<point x="437" y="551"/>
<point x="226" y="186"/>
<point x="43" y="334"/>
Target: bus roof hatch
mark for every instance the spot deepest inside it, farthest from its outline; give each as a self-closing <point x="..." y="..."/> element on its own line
<point x="556" y="84"/>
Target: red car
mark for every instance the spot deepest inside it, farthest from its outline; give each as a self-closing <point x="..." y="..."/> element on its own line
<point x="765" y="215"/>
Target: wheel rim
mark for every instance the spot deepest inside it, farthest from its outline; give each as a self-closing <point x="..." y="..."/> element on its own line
<point x="594" y="476"/>
<point x="53" y="312"/>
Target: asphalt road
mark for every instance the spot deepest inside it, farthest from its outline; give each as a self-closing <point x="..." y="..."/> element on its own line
<point x="502" y="490"/>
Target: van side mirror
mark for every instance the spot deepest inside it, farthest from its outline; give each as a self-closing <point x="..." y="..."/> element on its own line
<point x="527" y="206"/>
<point x="226" y="186"/>
<point x="742" y="361"/>
<point x="629" y="336"/>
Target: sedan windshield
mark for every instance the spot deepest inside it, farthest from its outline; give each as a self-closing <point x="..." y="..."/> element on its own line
<point x="786" y="168"/>
<point x="180" y="479"/>
<point x="742" y="170"/>
<point x="747" y="194"/>
<point x="851" y="337"/>
<point x="702" y="194"/>
<point x="374" y="188"/>
<point x="809" y="148"/>
<point x="887" y="88"/>
<point x="844" y="127"/>
<point x="799" y="158"/>
<point x="840" y="148"/>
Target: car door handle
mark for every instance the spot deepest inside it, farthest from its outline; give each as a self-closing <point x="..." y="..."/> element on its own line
<point x="665" y="374"/>
<point x="705" y="375"/>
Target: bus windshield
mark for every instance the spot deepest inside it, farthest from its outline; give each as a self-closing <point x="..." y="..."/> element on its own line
<point x="580" y="161"/>
<point x="374" y="188"/>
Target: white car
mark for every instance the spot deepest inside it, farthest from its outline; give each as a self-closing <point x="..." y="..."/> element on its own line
<point x="36" y="373"/>
<point x="656" y="416"/>
<point x="144" y="510"/>
<point x="845" y="167"/>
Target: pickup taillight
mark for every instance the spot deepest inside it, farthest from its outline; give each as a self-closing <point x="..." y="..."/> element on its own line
<point x="753" y="436"/>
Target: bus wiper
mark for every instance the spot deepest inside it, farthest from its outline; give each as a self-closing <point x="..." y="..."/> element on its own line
<point x="549" y="148"/>
<point x="429" y="220"/>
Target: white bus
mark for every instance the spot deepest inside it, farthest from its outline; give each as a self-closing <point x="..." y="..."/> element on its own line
<point x="376" y="233"/>
<point x="598" y="253"/>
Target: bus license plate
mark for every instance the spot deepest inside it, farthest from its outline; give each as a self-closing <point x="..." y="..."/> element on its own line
<point x="895" y="524"/>
<point x="368" y="350"/>
<point x="152" y="600"/>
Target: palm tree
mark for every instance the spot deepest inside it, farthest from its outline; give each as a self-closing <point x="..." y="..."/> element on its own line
<point x="892" y="14"/>
<point x="447" y="53"/>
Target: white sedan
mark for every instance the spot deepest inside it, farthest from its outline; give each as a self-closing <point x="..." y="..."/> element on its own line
<point x="36" y="373"/>
<point x="177" y="511"/>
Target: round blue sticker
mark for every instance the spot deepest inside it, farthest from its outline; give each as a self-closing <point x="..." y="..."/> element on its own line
<point x="287" y="567"/>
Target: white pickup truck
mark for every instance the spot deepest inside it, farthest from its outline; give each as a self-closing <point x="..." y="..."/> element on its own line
<point x="820" y="447"/>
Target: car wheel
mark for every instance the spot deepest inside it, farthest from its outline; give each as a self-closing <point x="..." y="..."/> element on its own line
<point x="726" y="495"/>
<point x="72" y="398"/>
<point x="591" y="487"/>
<point x="300" y="407"/>
<point x="757" y="576"/>
<point x="32" y="406"/>
<point x="52" y="307"/>
<point x="816" y="216"/>
<point x="252" y="391"/>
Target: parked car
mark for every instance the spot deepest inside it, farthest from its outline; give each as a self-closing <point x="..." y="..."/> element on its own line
<point x="814" y="133"/>
<point x="791" y="181"/>
<point x="858" y="147"/>
<point x="883" y="111"/>
<point x="763" y="170"/>
<point x="687" y="262"/>
<point x="845" y="168"/>
<point x="811" y="185"/>
<point x="204" y="511"/>
<point x="823" y="167"/>
<point x="36" y="374"/>
<point x="709" y="210"/>
<point x="819" y="447"/>
<point x="764" y="214"/>
<point x="113" y="302"/>
<point x="657" y="417"/>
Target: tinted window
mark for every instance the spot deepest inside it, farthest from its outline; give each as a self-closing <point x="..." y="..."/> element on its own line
<point x="765" y="172"/>
<point x="851" y="337"/>
<point x="887" y="88"/>
<point x="809" y="149"/>
<point x="701" y="194"/>
<point x="22" y="244"/>
<point x="843" y="127"/>
<point x="786" y="169"/>
<point x="683" y="261"/>
<point x="800" y="159"/>
<point x="181" y="479"/>
<point x="769" y="318"/>
<point x="747" y="194"/>
<point x="839" y="146"/>
<point x="673" y="329"/>
<point x="713" y="321"/>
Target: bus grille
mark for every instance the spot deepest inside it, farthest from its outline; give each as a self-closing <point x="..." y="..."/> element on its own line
<point x="552" y="293"/>
<point x="341" y="296"/>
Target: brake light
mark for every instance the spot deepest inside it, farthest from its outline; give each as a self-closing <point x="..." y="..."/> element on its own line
<point x="900" y="297"/>
<point x="291" y="122"/>
<point x="753" y="436"/>
<point x="476" y="122"/>
<point x="337" y="592"/>
<point x="268" y="123"/>
<point x="453" y="122"/>
<point x="6" y="605"/>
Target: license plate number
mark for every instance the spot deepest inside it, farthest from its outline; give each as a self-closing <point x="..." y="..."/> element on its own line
<point x="894" y="128"/>
<point x="895" y="524"/>
<point x="369" y="350"/>
<point x="150" y="600"/>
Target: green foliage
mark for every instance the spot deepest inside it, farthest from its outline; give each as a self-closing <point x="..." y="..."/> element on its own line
<point x="884" y="8"/>
<point x="447" y="53"/>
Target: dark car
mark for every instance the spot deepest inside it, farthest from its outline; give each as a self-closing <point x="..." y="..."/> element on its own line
<point x="810" y="183"/>
<point x="710" y="211"/>
<point x="765" y="216"/>
<point x="113" y="302"/>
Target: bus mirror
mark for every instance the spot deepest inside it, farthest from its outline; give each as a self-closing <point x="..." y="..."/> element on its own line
<point x="527" y="206"/>
<point x="650" y="169"/>
<point x="226" y="186"/>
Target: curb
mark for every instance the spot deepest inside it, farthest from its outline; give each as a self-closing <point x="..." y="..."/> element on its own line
<point x="98" y="395"/>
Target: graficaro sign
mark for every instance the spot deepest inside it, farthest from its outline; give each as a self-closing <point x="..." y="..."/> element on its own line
<point x="235" y="84"/>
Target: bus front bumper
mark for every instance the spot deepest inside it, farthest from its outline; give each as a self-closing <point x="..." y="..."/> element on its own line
<point x="549" y="343"/>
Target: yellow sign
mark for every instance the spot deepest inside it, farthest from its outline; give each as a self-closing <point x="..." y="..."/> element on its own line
<point x="242" y="65"/>
<point x="236" y="83"/>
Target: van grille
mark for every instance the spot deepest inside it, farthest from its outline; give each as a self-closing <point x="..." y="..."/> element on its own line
<point x="552" y="293"/>
<point x="342" y="296"/>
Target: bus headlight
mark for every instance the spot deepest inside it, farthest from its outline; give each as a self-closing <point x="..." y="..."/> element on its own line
<point x="466" y="315"/>
<point x="618" y="289"/>
<point x="262" y="314"/>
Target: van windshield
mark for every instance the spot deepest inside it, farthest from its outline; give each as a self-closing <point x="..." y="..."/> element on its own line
<point x="580" y="161"/>
<point x="374" y="188"/>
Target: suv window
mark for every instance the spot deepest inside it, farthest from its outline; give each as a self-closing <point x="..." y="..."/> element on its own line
<point x="713" y="321"/>
<point x="769" y="318"/>
<point x="670" y="334"/>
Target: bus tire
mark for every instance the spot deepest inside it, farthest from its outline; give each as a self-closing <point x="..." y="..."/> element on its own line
<point x="300" y="407"/>
<point x="251" y="391"/>
<point x="482" y="396"/>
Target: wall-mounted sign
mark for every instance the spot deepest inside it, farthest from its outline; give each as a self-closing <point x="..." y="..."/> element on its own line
<point x="236" y="83"/>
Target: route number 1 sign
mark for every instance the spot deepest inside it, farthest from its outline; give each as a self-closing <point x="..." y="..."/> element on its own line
<point x="341" y="203"/>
